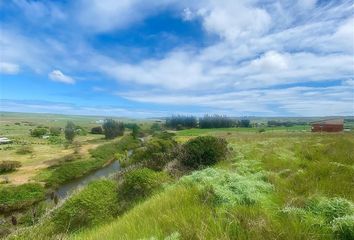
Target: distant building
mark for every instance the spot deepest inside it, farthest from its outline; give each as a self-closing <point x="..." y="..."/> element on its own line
<point x="4" y="140"/>
<point x="330" y="125"/>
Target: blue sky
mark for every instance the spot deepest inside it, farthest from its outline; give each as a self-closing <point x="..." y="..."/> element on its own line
<point x="139" y="58"/>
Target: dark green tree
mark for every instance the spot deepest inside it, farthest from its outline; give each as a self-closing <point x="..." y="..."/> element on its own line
<point x="113" y="129"/>
<point x="69" y="131"/>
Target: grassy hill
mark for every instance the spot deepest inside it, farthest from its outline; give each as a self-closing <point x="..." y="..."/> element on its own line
<point x="272" y="185"/>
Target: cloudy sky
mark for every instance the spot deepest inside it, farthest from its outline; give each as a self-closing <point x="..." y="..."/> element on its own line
<point x="142" y="58"/>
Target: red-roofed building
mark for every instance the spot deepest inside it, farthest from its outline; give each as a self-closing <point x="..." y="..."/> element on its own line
<point x="330" y="125"/>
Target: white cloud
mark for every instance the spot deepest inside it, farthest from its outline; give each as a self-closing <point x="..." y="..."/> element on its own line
<point x="234" y="20"/>
<point x="58" y="76"/>
<point x="106" y="15"/>
<point x="295" y="101"/>
<point x="271" y="61"/>
<point x="188" y="15"/>
<point x="9" y="68"/>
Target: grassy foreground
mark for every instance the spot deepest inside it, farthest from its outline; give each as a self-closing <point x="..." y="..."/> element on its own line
<point x="273" y="185"/>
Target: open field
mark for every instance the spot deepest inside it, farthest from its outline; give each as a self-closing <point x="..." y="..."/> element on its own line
<point x="303" y="170"/>
<point x="43" y="152"/>
<point x="273" y="185"/>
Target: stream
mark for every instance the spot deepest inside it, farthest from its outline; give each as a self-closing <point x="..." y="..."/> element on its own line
<point x="66" y="189"/>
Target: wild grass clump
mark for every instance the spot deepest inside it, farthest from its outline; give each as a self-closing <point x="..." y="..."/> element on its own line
<point x="139" y="184"/>
<point x="230" y="188"/>
<point x="24" y="149"/>
<point x="343" y="227"/>
<point x="21" y="196"/>
<point x="71" y="170"/>
<point x="333" y="216"/>
<point x="330" y="208"/>
<point x="95" y="204"/>
<point x="9" y="166"/>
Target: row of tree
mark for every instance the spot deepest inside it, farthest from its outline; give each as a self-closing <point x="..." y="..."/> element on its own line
<point x="208" y="121"/>
<point x="180" y="121"/>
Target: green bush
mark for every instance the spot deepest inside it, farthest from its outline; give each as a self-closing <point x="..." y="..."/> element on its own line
<point x="95" y="204"/>
<point x="39" y="132"/>
<point x="140" y="183"/>
<point x="21" y="196"/>
<point x="9" y="166"/>
<point x="155" y="154"/>
<point x="203" y="151"/>
<point x="55" y="140"/>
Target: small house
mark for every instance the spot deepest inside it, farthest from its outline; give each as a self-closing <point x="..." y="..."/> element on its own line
<point x="330" y="125"/>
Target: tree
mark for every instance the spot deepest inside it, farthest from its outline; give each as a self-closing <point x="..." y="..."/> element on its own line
<point x="113" y="129"/>
<point x="135" y="131"/>
<point x="39" y="132"/>
<point x="245" y="123"/>
<point x="70" y="131"/>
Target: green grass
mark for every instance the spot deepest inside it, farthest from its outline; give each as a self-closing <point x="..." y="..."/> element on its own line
<point x="19" y="197"/>
<point x="218" y="131"/>
<point x="273" y="185"/>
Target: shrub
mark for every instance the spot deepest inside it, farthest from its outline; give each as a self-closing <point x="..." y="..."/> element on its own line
<point x="95" y="204"/>
<point x="203" y="151"/>
<point x="55" y="131"/>
<point x="140" y="183"/>
<point x="24" y="149"/>
<point x="80" y="131"/>
<point x="113" y="129"/>
<point x="97" y="130"/>
<point x="155" y="154"/>
<point x="55" y="140"/>
<point x="9" y="166"/>
<point x="39" y="132"/>
<point x="261" y="130"/>
<point x="21" y="196"/>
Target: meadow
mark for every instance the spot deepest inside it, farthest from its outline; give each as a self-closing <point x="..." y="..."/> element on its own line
<point x="273" y="186"/>
<point x="280" y="183"/>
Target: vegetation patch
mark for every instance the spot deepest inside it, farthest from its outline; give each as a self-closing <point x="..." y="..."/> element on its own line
<point x="95" y="204"/>
<point x="230" y="188"/>
<point x="22" y="196"/>
<point x="139" y="184"/>
<point x="203" y="151"/>
<point x="9" y="166"/>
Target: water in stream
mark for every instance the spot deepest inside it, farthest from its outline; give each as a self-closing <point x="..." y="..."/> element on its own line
<point x="66" y="189"/>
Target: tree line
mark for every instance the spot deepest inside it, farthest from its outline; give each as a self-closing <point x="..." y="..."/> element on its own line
<point x="207" y="121"/>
